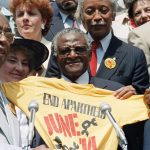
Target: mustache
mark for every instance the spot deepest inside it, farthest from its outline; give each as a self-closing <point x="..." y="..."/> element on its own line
<point x="73" y="60"/>
<point x="98" y="23"/>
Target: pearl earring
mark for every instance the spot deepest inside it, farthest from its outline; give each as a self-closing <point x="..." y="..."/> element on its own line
<point x="42" y="26"/>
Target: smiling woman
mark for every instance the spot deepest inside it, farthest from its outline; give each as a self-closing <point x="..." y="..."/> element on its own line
<point x="20" y="61"/>
<point x="139" y="11"/>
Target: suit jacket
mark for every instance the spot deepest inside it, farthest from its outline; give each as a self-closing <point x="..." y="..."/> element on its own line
<point x="130" y="68"/>
<point x="105" y="84"/>
<point x="56" y="24"/>
<point x="140" y="37"/>
<point x="9" y="130"/>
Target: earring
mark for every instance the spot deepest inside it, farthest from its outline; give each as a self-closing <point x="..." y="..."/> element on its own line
<point x="42" y="26"/>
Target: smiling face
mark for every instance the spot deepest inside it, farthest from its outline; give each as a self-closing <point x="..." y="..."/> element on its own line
<point x="72" y="55"/>
<point x="15" y="67"/>
<point x="97" y="17"/>
<point x="67" y="6"/>
<point x="29" y="22"/>
<point x="141" y="12"/>
<point x="4" y="42"/>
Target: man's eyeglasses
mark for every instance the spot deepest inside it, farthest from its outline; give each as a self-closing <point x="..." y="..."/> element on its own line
<point x="9" y="36"/>
<point x="78" y="50"/>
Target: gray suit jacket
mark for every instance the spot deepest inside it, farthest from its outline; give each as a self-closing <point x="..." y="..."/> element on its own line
<point x="9" y="130"/>
<point x="140" y="37"/>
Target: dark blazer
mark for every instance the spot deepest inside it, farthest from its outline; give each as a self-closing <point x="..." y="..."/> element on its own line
<point x="56" y="24"/>
<point x="130" y="69"/>
<point x="105" y="84"/>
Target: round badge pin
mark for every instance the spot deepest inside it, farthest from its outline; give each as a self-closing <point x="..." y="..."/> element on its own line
<point x="110" y="63"/>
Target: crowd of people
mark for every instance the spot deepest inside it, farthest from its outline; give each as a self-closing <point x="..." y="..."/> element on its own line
<point x="78" y="41"/>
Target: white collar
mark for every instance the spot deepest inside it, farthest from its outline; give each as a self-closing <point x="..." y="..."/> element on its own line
<point x="104" y="42"/>
<point x="83" y="79"/>
<point x="63" y="16"/>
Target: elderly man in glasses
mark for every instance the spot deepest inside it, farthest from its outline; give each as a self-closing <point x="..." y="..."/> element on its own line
<point x="72" y="52"/>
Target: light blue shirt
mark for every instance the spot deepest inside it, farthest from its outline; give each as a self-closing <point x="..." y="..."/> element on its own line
<point x="68" y="23"/>
<point x="100" y="51"/>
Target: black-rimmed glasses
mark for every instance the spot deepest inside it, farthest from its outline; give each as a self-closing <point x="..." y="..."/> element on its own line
<point x="78" y="50"/>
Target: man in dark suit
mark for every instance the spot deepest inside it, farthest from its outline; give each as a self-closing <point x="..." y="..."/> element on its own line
<point x="121" y="62"/>
<point x="129" y="62"/>
<point x="63" y="17"/>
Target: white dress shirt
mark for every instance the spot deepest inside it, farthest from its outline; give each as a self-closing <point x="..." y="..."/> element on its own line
<point x="68" y="23"/>
<point x="9" y="129"/>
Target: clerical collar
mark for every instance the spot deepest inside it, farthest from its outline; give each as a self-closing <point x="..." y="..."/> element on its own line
<point x="83" y="79"/>
<point x="104" y="42"/>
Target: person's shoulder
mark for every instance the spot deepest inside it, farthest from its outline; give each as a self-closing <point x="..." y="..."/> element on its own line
<point x="145" y="28"/>
<point x="145" y="25"/>
<point x="55" y="8"/>
<point x="127" y="47"/>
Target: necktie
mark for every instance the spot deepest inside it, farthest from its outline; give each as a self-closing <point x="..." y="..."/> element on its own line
<point x="75" y="25"/>
<point x="74" y="22"/>
<point x="93" y="61"/>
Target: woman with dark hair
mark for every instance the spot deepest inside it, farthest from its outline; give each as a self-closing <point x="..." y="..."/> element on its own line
<point x="33" y="18"/>
<point x="139" y="12"/>
<point x="24" y="57"/>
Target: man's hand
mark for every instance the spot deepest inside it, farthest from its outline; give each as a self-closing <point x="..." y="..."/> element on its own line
<point x="125" y="92"/>
<point x="41" y="147"/>
<point x="147" y="97"/>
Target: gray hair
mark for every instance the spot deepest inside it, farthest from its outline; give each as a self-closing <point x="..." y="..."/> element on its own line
<point x="54" y="46"/>
<point x="79" y="12"/>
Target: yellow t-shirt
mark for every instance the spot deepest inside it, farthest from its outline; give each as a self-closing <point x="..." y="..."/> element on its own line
<point x="69" y="114"/>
